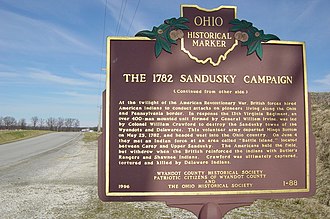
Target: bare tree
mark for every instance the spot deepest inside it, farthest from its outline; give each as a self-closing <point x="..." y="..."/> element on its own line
<point x="9" y="122"/>
<point x="51" y="123"/>
<point x="34" y="121"/>
<point x="68" y="123"/>
<point x="60" y="123"/>
<point x="76" y="123"/>
<point x="41" y="122"/>
<point x="1" y="122"/>
<point x="22" y="123"/>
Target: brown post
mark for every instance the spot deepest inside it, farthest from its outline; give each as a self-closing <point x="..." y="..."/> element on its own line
<point x="210" y="210"/>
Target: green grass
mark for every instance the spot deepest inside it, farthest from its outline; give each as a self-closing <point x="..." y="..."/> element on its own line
<point x="11" y="136"/>
<point x="91" y="136"/>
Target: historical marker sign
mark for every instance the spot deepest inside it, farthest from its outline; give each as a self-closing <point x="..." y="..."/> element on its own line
<point x="206" y="122"/>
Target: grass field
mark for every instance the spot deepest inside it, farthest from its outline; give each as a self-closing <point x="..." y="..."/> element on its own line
<point x="16" y="135"/>
<point x="7" y="136"/>
<point x="91" y="136"/>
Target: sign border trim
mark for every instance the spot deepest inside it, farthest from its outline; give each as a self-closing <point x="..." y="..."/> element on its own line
<point x="108" y="193"/>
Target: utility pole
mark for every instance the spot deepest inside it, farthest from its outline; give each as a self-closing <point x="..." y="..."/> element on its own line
<point x="99" y="122"/>
<point x="100" y="111"/>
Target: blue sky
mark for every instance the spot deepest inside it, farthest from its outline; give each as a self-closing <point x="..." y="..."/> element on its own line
<point x="52" y="52"/>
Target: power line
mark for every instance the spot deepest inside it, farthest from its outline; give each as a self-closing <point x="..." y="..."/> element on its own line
<point x="103" y="41"/>
<point x="121" y="15"/>
<point x="129" y="29"/>
<point x="121" y="8"/>
<point x="103" y="34"/>
<point x="101" y="63"/>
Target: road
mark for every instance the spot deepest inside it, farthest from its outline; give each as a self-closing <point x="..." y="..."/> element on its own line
<point x="60" y="181"/>
<point x="54" y="178"/>
<point x="16" y="152"/>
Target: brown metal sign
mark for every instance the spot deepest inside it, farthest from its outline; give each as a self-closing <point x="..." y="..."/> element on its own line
<point x="181" y="131"/>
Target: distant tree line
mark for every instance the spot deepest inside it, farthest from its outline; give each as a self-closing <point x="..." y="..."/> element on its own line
<point x="51" y="123"/>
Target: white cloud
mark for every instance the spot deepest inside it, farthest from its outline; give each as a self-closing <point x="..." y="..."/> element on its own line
<point x="27" y="34"/>
<point x="324" y="81"/>
<point x="93" y="76"/>
<point x="31" y="76"/>
<point x="37" y="74"/>
<point x="6" y="75"/>
<point x="81" y="98"/>
<point x="11" y="78"/>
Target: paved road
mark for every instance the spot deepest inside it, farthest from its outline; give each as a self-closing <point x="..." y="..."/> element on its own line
<point x="16" y="152"/>
<point x="62" y="184"/>
<point x="58" y="183"/>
